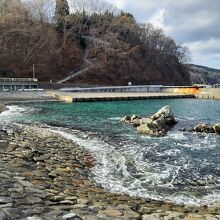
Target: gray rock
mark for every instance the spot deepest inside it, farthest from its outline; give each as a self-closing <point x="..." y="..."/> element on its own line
<point x="151" y="129"/>
<point x="146" y="120"/>
<point x="126" y="119"/>
<point x="69" y="216"/>
<point x="2" y="108"/>
<point x="165" y="113"/>
<point x="216" y="128"/>
<point x="157" y="125"/>
<point x="2" y="216"/>
<point x="33" y="218"/>
<point x="203" y="128"/>
<point x="134" y="117"/>
<point x="136" y="122"/>
<point x="5" y="200"/>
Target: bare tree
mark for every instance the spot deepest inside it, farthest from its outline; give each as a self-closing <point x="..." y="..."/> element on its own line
<point x="41" y="10"/>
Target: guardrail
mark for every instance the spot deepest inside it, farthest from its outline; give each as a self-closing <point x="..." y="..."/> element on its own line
<point x="18" y="80"/>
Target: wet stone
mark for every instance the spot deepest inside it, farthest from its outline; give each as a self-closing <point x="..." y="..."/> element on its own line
<point x="110" y="213"/>
<point x="3" y="216"/>
<point x="56" y="185"/>
<point x="69" y="216"/>
<point x="5" y="200"/>
<point x="11" y="212"/>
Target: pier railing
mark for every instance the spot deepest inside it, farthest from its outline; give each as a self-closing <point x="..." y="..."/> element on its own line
<point x="3" y="80"/>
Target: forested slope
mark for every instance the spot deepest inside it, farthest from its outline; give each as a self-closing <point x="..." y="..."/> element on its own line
<point x="120" y="49"/>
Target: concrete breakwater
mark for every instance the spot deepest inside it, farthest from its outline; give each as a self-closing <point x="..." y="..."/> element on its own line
<point x="209" y="93"/>
<point x="119" y="93"/>
<point x="104" y="96"/>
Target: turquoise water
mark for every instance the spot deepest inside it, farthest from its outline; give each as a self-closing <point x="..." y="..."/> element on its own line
<point x="181" y="167"/>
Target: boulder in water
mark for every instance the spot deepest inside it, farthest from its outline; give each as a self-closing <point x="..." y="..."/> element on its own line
<point x="165" y="113"/>
<point x="136" y="122"/>
<point x="134" y="117"/>
<point x="203" y="128"/>
<point x="157" y="125"/>
<point x="216" y="128"/>
<point x="151" y="129"/>
<point x="126" y="119"/>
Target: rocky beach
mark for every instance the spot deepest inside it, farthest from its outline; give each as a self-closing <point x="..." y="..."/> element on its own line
<point x="45" y="176"/>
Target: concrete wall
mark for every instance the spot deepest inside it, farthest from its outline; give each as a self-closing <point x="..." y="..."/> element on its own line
<point x="146" y="88"/>
<point x="182" y="90"/>
<point x="14" y="84"/>
<point x="209" y="93"/>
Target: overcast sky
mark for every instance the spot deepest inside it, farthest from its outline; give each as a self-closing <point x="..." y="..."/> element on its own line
<point x="195" y="23"/>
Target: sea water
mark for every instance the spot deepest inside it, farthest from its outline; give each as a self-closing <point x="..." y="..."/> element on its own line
<point x="181" y="167"/>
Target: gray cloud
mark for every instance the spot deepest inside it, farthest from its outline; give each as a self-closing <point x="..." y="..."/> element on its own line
<point x="191" y="20"/>
<point x="195" y="23"/>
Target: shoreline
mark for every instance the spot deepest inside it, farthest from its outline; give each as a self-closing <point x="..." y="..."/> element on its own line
<point x="45" y="175"/>
<point x="25" y="97"/>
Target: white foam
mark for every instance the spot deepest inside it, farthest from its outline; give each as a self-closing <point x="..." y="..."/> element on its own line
<point x="13" y="110"/>
<point x="111" y="172"/>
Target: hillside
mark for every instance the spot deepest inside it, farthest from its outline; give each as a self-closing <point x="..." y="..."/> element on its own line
<point x="124" y="51"/>
<point x="204" y="75"/>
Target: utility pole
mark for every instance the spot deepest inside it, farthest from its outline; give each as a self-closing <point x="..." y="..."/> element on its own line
<point x="33" y="71"/>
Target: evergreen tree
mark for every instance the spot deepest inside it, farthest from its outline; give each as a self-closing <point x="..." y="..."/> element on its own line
<point x="61" y="13"/>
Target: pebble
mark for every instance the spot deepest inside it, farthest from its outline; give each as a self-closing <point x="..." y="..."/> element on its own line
<point x="69" y="216"/>
<point x="44" y="176"/>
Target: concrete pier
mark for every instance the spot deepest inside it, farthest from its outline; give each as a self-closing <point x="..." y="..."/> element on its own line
<point x="209" y="93"/>
<point x="97" y="97"/>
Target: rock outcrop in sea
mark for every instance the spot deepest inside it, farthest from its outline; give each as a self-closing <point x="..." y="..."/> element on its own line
<point x="205" y="128"/>
<point x="156" y="125"/>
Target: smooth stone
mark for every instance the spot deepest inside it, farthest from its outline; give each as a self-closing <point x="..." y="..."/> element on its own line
<point x="69" y="216"/>
<point x="25" y="183"/>
<point x="67" y="202"/>
<point x="150" y="129"/>
<point x="131" y="215"/>
<point x="194" y="217"/>
<point x="5" y="200"/>
<point x="83" y="201"/>
<point x="6" y="205"/>
<point x="12" y="213"/>
<point x="33" y="218"/>
<point x="3" y="216"/>
<point x="150" y="217"/>
<point x="110" y="213"/>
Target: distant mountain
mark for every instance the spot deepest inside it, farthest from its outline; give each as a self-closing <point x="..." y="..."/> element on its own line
<point x="203" y="75"/>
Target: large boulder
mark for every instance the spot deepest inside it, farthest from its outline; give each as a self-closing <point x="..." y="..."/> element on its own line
<point x="203" y="128"/>
<point x="165" y="113"/>
<point x="2" y="108"/>
<point x="151" y="129"/>
<point x="157" y="125"/>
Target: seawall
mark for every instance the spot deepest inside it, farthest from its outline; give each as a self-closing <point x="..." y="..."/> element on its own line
<point x="134" y="93"/>
<point x="209" y="93"/>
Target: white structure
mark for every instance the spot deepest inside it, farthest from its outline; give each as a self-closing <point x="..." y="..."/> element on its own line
<point x="17" y="84"/>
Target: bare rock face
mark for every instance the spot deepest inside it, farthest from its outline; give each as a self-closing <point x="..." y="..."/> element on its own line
<point x="156" y="126"/>
<point x="2" y="108"/>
